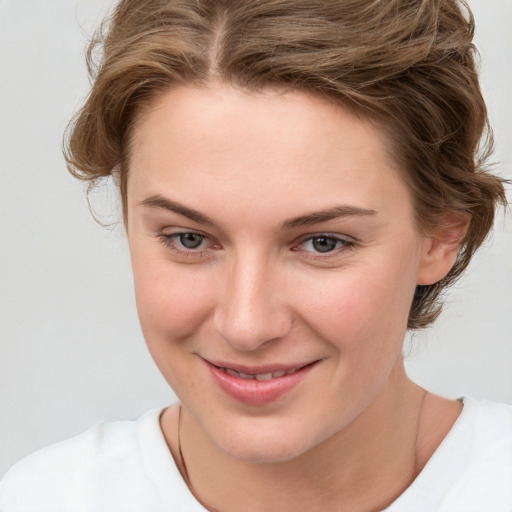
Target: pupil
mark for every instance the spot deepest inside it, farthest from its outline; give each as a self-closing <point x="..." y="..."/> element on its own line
<point x="324" y="244"/>
<point x="191" y="240"/>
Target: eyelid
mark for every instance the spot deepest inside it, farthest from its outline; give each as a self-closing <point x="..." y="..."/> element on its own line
<point x="347" y="243"/>
<point x="326" y="234"/>
<point x="169" y="240"/>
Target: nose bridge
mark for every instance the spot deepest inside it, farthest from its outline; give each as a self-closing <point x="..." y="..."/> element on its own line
<point x="252" y="310"/>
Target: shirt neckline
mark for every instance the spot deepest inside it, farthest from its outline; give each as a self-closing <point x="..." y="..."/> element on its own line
<point x="427" y="488"/>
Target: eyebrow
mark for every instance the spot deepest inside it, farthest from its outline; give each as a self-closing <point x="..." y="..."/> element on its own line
<point x="160" y="202"/>
<point x="326" y="215"/>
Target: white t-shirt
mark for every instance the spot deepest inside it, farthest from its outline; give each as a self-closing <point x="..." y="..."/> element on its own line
<point x="126" y="466"/>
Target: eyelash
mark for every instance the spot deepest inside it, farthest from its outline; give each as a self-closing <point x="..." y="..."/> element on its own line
<point x="342" y="245"/>
<point x="171" y="241"/>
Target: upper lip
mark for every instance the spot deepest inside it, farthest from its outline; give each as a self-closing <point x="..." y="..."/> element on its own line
<point x="255" y="370"/>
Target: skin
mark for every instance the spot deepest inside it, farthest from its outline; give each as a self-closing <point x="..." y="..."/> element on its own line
<point x="354" y="433"/>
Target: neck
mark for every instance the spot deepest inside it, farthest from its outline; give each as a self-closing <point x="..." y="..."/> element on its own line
<point x="364" y="467"/>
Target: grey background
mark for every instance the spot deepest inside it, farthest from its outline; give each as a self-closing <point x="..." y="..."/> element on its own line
<point x="71" y="351"/>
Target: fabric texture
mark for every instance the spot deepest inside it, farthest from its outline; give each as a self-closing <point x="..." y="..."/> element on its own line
<point x="471" y="471"/>
<point x="127" y="466"/>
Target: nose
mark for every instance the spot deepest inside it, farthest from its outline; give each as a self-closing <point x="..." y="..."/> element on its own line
<point x="252" y="308"/>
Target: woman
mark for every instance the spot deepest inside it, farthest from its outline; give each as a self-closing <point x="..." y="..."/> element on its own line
<point x="300" y="182"/>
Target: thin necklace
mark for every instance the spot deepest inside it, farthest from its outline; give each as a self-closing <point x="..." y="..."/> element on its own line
<point x="416" y="464"/>
<point x="185" y="470"/>
<point x="211" y="509"/>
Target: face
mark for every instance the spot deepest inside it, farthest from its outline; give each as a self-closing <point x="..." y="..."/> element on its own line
<point x="275" y="259"/>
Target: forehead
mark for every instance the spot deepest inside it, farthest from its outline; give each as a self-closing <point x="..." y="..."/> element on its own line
<point x="266" y="145"/>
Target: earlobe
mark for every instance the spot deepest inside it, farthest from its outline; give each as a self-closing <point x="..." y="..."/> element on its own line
<point x="439" y="251"/>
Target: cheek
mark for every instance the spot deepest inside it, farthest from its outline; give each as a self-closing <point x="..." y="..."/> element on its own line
<point x="173" y="305"/>
<point x="172" y="302"/>
<point x="361" y="307"/>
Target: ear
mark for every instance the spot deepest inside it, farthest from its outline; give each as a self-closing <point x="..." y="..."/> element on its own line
<point x="439" y="250"/>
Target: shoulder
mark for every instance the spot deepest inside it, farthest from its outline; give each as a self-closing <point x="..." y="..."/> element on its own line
<point x="485" y="434"/>
<point x="489" y="426"/>
<point x="480" y="454"/>
<point x="472" y="468"/>
<point x="103" y="465"/>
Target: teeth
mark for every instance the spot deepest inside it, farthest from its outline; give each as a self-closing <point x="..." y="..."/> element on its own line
<point x="259" y="376"/>
<point x="263" y="376"/>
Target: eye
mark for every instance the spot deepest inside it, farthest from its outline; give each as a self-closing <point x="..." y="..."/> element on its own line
<point x="190" y="240"/>
<point x="324" y="244"/>
<point x="187" y="243"/>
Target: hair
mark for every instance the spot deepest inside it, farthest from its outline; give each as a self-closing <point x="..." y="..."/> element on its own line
<point x="408" y="65"/>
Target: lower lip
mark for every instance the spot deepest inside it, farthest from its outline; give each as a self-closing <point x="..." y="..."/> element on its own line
<point x="257" y="392"/>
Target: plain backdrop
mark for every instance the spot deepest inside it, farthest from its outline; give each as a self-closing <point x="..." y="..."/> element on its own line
<point x="71" y="351"/>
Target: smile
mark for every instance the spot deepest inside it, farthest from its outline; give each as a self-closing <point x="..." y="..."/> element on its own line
<point x="258" y="386"/>
<point x="259" y="376"/>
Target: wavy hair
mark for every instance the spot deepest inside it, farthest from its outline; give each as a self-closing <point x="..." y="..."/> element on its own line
<point x="408" y="65"/>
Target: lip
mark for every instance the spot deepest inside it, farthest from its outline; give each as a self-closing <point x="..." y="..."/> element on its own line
<point x="257" y="392"/>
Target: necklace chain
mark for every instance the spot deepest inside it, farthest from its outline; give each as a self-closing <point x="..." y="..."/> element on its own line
<point x="185" y="470"/>
<point x="211" y="509"/>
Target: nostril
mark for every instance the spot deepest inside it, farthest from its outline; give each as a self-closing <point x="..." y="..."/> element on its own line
<point x="250" y="332"/>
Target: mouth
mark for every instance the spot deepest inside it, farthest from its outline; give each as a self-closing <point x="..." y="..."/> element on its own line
<point x="258" y="386"/>
<point x="262" y="376"/>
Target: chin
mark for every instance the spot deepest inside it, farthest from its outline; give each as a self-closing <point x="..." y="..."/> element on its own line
<point x="267" y="443"/>
<point x="256" y="452"/>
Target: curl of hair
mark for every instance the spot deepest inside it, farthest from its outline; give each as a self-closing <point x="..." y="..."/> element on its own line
<point x="409" y="65"/>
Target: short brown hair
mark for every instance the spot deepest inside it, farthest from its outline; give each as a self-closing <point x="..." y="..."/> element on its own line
<point x="407" y="64"/>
